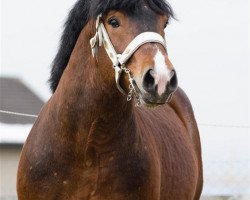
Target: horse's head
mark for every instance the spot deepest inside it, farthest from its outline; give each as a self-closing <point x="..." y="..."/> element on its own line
<point x="135" y="43"/>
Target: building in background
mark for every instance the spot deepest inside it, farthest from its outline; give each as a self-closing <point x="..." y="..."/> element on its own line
<point x="15" y="97"/>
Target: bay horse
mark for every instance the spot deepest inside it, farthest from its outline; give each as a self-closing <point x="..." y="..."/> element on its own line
<point x="89" y="141"/>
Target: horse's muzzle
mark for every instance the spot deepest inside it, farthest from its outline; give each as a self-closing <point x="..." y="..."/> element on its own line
<point x="156" y="90"/>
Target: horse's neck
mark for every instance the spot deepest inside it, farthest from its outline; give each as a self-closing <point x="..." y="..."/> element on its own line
<point x="86" y="96"/>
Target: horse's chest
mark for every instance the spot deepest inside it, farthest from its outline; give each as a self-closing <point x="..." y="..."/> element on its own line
<point x="121" y="176"/>
<point x="166" y="171"/>
<point x="132" y="174"/>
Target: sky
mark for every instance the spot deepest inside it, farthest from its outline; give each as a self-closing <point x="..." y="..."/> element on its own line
<point x="208" y="45"/>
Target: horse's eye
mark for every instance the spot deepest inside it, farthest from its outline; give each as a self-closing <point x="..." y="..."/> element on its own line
<point x="165" y="25"/>
<point x="114" y="23"/>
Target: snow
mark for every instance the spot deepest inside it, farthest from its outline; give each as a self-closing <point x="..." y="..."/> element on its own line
<point x="14" y="134"/>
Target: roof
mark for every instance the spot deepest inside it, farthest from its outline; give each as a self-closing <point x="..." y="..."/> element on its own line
<point x="17" y="97"/>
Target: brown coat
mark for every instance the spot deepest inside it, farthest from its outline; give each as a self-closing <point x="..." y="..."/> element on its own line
<point x="89" y="143"/>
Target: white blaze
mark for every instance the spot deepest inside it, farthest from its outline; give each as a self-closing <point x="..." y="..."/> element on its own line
<point x="162" y="74"/>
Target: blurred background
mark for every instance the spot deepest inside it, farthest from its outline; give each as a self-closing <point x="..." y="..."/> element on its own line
<point x="209" y="46"/>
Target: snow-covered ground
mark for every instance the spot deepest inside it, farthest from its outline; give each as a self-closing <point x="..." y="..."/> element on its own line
<point x="209" y="47"/>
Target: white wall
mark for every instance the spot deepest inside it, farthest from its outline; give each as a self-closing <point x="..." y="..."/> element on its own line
<point x="9" y="158"/>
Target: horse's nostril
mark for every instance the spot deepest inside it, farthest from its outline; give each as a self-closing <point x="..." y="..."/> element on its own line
<point x="173" y="84"/>
<point x="149" y="81"/>
<point x="165" y="85"/>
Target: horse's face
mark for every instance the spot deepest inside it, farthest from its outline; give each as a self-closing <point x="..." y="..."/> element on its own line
<point x="150" y="66"/>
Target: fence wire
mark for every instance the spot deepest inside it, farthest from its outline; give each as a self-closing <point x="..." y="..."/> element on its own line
<point x="226" y="178"/>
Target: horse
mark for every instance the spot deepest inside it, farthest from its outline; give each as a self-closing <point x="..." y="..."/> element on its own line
<point x="117" y="126"/>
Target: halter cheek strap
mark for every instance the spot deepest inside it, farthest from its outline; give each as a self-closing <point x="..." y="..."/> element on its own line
<point x="119" y="60"/>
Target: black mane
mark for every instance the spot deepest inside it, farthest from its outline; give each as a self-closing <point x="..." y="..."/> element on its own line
<point x="78" y="17"/>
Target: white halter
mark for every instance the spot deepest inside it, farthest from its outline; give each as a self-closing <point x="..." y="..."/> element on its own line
<point x="119" y="60"/>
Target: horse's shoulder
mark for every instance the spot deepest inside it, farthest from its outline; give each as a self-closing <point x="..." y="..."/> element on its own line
<point x="183" y="108"/>
<point x="181" y="101"/>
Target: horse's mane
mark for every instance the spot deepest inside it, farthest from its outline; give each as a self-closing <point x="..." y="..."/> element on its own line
<point x="78" y="17"/>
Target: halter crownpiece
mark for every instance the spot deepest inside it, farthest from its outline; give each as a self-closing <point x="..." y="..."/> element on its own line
<point x="119" y="60"/>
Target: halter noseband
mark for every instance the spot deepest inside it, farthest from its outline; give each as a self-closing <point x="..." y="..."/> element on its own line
<point x="119" y="60"/>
